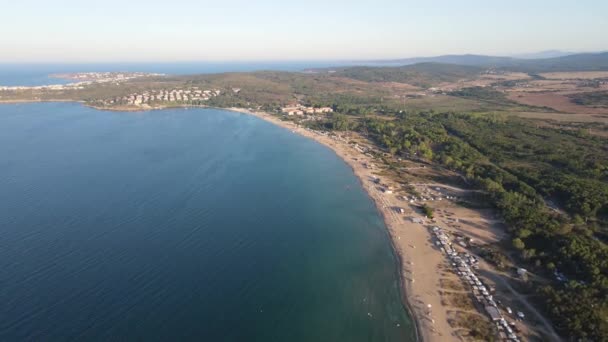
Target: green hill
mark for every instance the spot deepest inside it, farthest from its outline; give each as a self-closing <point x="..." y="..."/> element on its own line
<point x="422" y="75"/>
<point x="573" y="62"/>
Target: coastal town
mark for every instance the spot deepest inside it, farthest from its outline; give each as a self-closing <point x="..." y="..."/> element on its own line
<point x="190" y="96"/>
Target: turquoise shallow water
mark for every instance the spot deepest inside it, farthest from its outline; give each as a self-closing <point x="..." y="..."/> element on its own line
<point x="199" y="224"/>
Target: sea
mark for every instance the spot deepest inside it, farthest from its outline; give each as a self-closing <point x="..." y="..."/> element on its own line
<point x="36" y="74"/>
<point x="185" y="225"/>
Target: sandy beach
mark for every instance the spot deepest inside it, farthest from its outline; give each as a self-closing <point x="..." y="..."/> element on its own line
<point x="421" y="264"/>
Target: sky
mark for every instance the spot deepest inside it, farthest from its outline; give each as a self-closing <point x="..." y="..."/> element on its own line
<point x="265" y="30"/>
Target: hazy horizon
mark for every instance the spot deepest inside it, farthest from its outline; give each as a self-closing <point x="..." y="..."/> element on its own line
<point x="69" y="31"/>
<point x="522" y="55"/>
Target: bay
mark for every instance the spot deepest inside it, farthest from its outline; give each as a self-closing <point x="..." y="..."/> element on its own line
<point x="196" y="224"/>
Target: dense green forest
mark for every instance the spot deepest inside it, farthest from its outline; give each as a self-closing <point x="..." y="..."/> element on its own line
<point x="521" y="167"/>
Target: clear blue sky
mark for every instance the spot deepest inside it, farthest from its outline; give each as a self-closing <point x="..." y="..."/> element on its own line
<point x="188" y="30"/>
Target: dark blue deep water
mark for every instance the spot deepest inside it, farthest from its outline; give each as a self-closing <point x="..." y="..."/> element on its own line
<point x="173" y="225"/>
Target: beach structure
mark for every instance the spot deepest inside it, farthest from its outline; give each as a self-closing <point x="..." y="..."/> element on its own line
<point x="521" y="272"/>
<point x="301" y="110"/>
<point x="293" y="110"/>
<point x="152" y="97"/>
<point x="493" y="313"/>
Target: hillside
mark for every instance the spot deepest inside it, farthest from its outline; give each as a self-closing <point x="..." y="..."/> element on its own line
<point x="544" y="54"/>
<point x="573" y="62"/>
<point x="579" y="62"/>
<point x="468" y="59"/>
<point x="421" y="75"/>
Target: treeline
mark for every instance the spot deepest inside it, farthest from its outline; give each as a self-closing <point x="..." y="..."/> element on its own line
<point x="521" y="166"/>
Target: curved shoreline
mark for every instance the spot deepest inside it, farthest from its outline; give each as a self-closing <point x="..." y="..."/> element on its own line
<point x="406" y="292"/>
<point x="419" y="333"/>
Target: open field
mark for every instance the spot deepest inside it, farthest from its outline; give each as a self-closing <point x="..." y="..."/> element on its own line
<point x="562" y="117"/>
<point x="559" y="102"/>
<point x="581" y="75"/>
<point x="507" y="76"/>
<point x="440" y="103"/>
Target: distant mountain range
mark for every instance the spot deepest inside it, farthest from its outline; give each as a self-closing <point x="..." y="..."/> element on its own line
<point x="566" y="62"/>
<point x="424" y="74"/>
<point x="544" y="54"/>
<point x="474" y="60"/>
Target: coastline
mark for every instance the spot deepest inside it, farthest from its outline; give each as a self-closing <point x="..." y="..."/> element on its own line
<point x="415" y="295"/>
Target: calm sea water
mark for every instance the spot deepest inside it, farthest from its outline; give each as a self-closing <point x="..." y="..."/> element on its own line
<point x="171" y="225"/>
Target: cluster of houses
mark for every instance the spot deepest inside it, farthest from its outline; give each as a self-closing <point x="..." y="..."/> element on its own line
<point x="464" y="265"/>
<point x="191" y="96"/>
<point x="301" y="110"/>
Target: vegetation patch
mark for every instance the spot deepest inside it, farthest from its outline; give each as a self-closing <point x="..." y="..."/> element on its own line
<point x="597" y="99"/>
<point x="474" y="327"/>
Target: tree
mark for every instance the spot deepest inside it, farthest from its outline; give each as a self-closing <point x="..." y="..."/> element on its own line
<point x="428" y="211"/>
<point x="524" y="233"/>
<point x="518" y="244"/>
